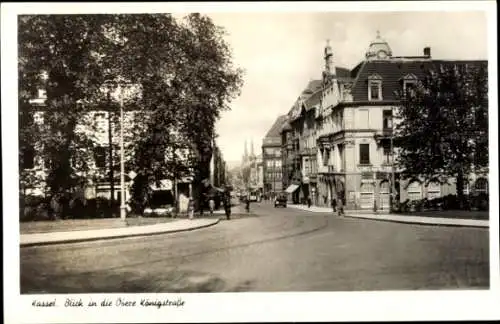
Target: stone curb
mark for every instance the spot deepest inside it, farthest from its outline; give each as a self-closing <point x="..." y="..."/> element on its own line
<point x="428" y="223"/>
<point x="424" y="221"/>
<point x="119" y="236"/>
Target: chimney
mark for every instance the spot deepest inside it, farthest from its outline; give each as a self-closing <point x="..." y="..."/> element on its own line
<point x="427" y="51"/>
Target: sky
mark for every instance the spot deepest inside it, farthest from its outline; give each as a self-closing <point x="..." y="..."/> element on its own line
<point x="281" y="52"/>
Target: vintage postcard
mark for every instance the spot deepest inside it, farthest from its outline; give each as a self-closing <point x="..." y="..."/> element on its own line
<point x="185" y="162"/>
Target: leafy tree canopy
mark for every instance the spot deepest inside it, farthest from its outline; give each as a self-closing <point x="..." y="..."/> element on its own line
<point x="443" y="123"/>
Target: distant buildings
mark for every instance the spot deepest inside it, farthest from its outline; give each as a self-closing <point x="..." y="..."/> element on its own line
<point x="272" y="158"/>
<point x="335" y="141"/>
<point x="251" y="168"/>
<point x="218" y="168"/>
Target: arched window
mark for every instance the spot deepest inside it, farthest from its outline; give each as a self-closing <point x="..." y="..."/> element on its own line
<point x="433" y="190"/>
<point x="366" y="195"/>
<point x="481" y="186"/>
<point x="384" y="195"/>
<point x="415" y="190"/>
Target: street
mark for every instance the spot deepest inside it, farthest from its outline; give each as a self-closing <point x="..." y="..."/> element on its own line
<point x="276" y="249"/>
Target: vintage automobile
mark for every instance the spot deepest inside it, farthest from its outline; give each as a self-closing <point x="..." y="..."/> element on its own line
<point x="281" y="199"/>
<point x="161" y="203"/>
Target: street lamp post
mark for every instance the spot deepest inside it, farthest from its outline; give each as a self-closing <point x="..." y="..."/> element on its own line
<point x="123" y="208"/>
<point x="393" y="178"/>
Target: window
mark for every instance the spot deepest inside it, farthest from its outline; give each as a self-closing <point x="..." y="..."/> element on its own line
<point x="387" y="152"/>
<point x="415" y="191"/>
<point x="42" y="94"/>
<point x="409" y="87"/>
<point x="374" y="90"/>
<point x="384" y="195"/>
<point x="387" y="119"/>
<point x="433" y="190"/>
<point x="100" y="157"/>
<point x="364" y="153"/>
<point x="28" y="158"/>
<point x="269" y="151"/>
<point x="326" y="157"/>
<point x="466" y="189"/>
<point x="481" y="186"/>
<point x="409" y="83"/>
<point x="366" y="195"/>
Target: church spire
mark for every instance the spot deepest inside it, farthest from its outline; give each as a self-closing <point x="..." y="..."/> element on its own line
<point x="245" y="155"/>
<point x="251" y="148"/>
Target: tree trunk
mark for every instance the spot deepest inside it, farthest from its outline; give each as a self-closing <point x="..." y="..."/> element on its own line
<point x="460" y="189"/>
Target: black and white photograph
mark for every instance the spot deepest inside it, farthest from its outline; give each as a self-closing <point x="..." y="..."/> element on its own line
<point x="158" y="157"/>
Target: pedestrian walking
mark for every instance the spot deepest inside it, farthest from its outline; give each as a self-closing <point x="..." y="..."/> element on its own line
<point x="211" y="204"/>
<point x="247" y="204"/>
<point x="227" y="205"/>
<point x="340" y="208"/>
<point x="334" y="205"/>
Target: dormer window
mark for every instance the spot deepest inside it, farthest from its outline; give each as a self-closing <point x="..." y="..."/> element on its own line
<point x="375" y="88"/>
<point x="409" y="82"/>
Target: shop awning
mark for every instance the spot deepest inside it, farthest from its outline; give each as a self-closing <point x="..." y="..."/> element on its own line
<point x="292" y="188"/>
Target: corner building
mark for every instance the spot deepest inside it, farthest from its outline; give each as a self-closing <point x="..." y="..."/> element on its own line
<point x="353" y="125"/>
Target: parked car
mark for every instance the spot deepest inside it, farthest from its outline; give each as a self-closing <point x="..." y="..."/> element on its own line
<point x="166" y="210"/>
<point x="280" y="200"/>
<point x="161" y="203"/>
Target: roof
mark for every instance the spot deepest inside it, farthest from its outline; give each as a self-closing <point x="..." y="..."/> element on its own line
<point x="286" y="127"/>
<point x="312" y="87"/>
<point x="275" y="129"/>
<point x="341" y="72"/>
<point x="392" y="71"/>
<point x="313" y="100"/>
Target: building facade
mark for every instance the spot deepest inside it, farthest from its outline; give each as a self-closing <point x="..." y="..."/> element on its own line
<point x="347" y="132"/>
<point x="272" y="159"/>
<point x="101" y="174"/>
<point x="302" y="160"/>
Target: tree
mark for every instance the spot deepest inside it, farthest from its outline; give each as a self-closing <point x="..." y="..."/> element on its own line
<point x="212" y="83"/>
<point x="187" y="78"/>
<point x="443" y="128"/>
<point x="64" y="47"/>
<point x="182" y="76"/>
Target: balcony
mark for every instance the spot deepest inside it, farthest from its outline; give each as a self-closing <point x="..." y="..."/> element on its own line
<point x="323" y="169"/>
<point x="308" y="152"/>
<point x="327" y="169"/>
<point x="367" y="175"/>
<point x="385" y="133"/>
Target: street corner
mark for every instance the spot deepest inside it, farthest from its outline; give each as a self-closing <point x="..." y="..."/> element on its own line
<point x="182" y="225"/>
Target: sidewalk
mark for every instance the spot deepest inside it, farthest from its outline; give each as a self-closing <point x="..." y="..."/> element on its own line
<point x="400" y="218"/>
<point x="113" y="233"/>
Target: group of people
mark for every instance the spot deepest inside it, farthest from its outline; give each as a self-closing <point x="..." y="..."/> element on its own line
<point x="226" y="202"/>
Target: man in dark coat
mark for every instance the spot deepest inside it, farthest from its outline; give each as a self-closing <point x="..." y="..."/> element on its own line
<point x="227" y="204"/>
